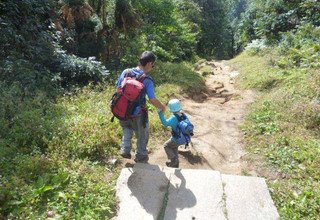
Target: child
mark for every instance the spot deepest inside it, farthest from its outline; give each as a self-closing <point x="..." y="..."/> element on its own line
<point x="178" y="137"/>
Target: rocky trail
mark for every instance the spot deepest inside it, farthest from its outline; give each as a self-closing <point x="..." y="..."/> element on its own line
<point x="216" y="115"/>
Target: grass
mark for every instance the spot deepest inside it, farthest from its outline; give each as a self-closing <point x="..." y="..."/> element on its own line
<point x="283" y="127"/>
<point x="68" y="175"/>
<point x="180" y="75"/>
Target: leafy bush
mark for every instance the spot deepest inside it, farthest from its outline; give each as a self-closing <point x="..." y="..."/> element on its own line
<point x="30" y="50"/>
<point x="301" y="47"/>
<point x="270" y="19"/>
<point x="25" y="44"/>
<point x="256" y="46"/>
<point x="78" y="71"/>
<point x="32" y="70"/>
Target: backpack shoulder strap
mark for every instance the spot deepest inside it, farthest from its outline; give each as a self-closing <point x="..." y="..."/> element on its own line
<point x="141" y="78"/>
<point x="180" y="118"/>
<point x="128" y="73"/>
<point x="144" y="76"/>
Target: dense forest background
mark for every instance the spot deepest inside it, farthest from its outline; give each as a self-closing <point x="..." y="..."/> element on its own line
<point x="50" y="49"/>
<point x="61" y="43"/>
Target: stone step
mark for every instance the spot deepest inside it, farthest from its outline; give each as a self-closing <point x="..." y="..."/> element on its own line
<point x="189" y="195"/>
<point x="248" y="198"/>
<point x="140" y="193"/>
<point x="154" y="192"/>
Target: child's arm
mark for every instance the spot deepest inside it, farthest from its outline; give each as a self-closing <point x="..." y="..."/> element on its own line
<point x="166" y="122"/>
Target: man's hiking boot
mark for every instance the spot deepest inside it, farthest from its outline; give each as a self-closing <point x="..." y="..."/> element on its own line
<point x="126" y="155"/>
<point x="141" y="160"/>
<point x="173" y="163"/>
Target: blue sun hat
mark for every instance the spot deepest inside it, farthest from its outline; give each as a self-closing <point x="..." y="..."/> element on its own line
<point x="174" y="105"/>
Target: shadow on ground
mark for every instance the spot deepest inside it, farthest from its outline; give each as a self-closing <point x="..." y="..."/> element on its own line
<point x="191" y="158"/>
<point x="154" y="189"/>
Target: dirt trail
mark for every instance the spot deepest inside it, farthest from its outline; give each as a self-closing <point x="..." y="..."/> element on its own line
<point x="217" y="114"/>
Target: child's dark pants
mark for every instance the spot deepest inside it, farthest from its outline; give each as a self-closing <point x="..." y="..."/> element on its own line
<point x="171" y="149"/>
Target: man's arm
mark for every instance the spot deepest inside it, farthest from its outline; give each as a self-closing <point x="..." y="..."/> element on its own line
<point x="157" y="104"/>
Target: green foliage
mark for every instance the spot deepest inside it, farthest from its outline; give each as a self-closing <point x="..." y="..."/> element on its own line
<point x="175" y="30"/>
<point x="87" y="25"/>
<point x="297" y="199"/>
<point x="179" y="74"/>
<point x="25" y="118"/>
<point x="264" y="119"/>
<point x="54" y="157"/>
<point x="25" y="49"/>
<point x="262" y="77"/>
<point x="74" y="192"/>
<point x="215" y="39"/>
<point x="301" y="47"/>
<point x="34" y="178"/>
<point x="256" y="46"/>
<point x="32" y="70"/>
<point x="293" y="155"/>
<point x="74" y="2"/>
<point x="169" y="28"/>
<point x="78" y="71"/>
<point x="269" y="19"/>
<point x="30" y="50"/>
<point x="297" y="196"/>
<point x="132" y="50"/>
<point x="93" y="137"/>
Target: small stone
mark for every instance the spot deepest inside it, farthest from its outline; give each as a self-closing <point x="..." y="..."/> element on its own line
<point x="50" y="214"/>
<point x="301" y="166"/>
<point x="112" y="160"/>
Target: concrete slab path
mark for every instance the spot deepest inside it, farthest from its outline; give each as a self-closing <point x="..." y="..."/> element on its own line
<point x="248" y="198"/>
<point x="154" y="192"/>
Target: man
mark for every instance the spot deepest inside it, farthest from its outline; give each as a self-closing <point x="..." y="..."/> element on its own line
<point x="138" y="122"/>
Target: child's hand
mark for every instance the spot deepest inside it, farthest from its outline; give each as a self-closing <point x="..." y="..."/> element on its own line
<point x="163" y="109"/>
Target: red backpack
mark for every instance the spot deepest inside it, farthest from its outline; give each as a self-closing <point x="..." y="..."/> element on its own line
<point x="128" y="94"/>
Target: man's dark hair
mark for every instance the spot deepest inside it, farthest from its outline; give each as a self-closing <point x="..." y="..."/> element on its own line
<point x="146" y="57"/>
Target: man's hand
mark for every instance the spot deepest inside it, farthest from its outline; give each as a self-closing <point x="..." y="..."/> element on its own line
<point x="155" y="102"/>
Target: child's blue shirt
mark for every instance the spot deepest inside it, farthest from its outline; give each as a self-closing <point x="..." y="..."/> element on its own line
<point x="173" y="122"/>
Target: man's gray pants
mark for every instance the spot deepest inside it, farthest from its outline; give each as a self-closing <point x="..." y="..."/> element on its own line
<point x="141" y="131"/>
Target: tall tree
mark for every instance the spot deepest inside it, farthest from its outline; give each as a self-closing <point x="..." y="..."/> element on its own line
<point x="215" y="30"/>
